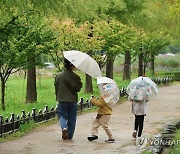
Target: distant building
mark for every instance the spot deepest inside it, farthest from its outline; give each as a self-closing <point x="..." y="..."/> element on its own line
<point x="166" y="55"/>
<point x="49" y="65"/>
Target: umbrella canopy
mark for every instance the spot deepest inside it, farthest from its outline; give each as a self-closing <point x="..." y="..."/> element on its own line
<point x="142" y="88"/>
<point x="108" y="89"/>
<point x="84" y="62"/>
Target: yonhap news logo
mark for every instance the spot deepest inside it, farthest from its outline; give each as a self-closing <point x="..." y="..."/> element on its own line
<point x="143" y="142"/>
<point x="163" y="142"/>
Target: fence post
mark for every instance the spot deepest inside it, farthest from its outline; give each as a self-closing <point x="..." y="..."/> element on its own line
<point x="12" y="122"/>
<point x="34" y="114"/>
<point x="29" y="115"/>
<point x="45" y="113"/>
<point x="23" y="117"/>
<point x="86" y="103"/>
<point x="56" y="108"/>
<point x="1" y="126"/>
<point x="122" y="92"/>
<point x="52" y="112"/>
<point x="17" y="122"/>
<point x="90" y="103"/>
<point x="45" y="109"/>
<point x="81" y="104"/>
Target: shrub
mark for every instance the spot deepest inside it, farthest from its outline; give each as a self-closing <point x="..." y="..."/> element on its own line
<point x="176" y="76"/>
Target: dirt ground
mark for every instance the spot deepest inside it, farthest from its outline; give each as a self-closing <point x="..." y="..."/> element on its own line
<point x="47" y="140"/>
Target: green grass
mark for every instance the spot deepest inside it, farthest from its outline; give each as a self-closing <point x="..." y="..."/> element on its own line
<point x="147" y="152"/>
<point x="16" y="94"/>
<point x="176" y="149"/>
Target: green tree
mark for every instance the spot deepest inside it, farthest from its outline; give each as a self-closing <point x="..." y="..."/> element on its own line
<point x="163" y="16"/>
<point x="118" y="37"/>
<point x="73" y="37"/>
<point x="157" y="42"/>
<point x="41" y="39"/>
<point x="150" y="46"/>
<point x="92" y="43"/>
<point x="130" y="12"/>
<point x="21" y="42"/>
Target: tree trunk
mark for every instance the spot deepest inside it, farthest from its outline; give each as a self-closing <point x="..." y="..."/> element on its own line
<point x="109" y="68"/>
<point x="88" y="84"/>
<point x="3" y="94"/>
<point x="31" y="92"/>
<point x="144" y="70"/>
<point x="140" y="67"/>
<point x="152" y="64"/>
<point x="127" y="66"/>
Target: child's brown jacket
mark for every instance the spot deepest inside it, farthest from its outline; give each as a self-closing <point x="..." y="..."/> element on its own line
<point x="104" y="108"/>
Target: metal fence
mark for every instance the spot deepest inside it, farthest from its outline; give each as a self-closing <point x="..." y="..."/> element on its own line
<point x="162" y="80"/>
<point x="8" y="126"/>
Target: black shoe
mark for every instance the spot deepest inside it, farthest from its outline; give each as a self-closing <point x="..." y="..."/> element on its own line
<point x="134" y="135"/>
<point x="110" y="140"/>
<point x="91" y="138"/>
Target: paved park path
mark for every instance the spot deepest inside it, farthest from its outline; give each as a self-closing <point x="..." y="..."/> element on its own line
<point x="47" y="140"/>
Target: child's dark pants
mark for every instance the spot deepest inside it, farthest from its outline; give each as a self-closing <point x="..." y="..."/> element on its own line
<point x="138" y="125"/>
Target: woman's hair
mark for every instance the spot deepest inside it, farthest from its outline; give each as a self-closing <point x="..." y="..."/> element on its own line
<point x="67" y="64"/>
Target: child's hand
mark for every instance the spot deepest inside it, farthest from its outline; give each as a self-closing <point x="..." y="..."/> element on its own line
<point x="130" y="99"/>
<point x="102" y="96"/>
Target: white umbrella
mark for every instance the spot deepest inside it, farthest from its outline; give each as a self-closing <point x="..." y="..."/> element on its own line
<point x="84" y="62"/>
<point x="109" y="90"/>
<point x="142" y="88"/>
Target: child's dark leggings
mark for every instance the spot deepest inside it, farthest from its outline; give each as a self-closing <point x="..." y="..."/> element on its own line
<point x="138" y="125"/>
